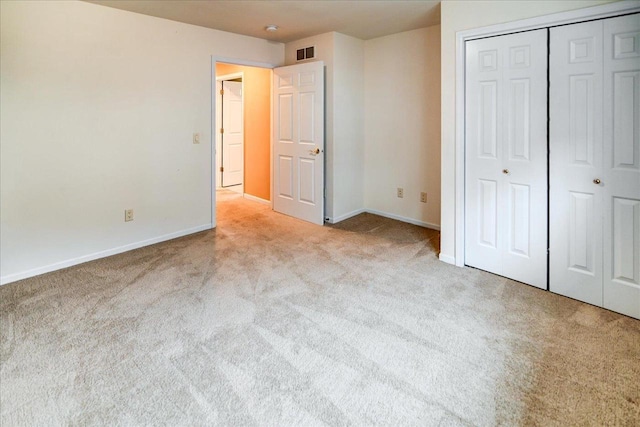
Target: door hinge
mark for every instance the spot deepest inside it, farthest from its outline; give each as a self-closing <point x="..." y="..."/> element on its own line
<point x="221" y="168"/>
<point x="221" y="130"/>
<point x="221" y="91"/>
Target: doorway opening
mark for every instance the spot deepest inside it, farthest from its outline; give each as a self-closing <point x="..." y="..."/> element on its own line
<point x="243" y="131"/>
<point x="283" y="135"/>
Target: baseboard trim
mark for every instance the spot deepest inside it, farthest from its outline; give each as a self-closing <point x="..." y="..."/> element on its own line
<point x="404" y="219"/>
<point x="256" y="199"/>
<point x="345" y="216"/>
<point x="351" y="214"/>
<point x="9" y="278"/>
<point x="447" y="258"/>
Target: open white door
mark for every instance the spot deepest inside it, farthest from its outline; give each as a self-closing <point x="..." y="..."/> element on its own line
<point x="232" y="134"/>
<point x="298" y="141"/>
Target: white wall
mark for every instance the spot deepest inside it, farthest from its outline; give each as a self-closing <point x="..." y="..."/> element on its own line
<point x="461" y="15"/>
<point x="402" y="125"/>
<point x="348" y="127"/>
<point x="98" y="107"/>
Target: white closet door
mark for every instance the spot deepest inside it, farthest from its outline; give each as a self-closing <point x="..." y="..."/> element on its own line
<point x="621" y="178"/>
<point x="575" y="160"/>
<point x="483" y="153"/>
<point x="595" y="163"/>
<point x="506" y="156"/>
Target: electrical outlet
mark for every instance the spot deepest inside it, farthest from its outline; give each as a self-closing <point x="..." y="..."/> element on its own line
<point x="400" y="192"/>
<point x="128" y="215"/>
<point x="196" y="138"/>
<point x="423" y="197"/>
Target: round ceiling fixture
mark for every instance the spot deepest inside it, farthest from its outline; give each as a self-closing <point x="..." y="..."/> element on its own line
<point x="271" y="28"/>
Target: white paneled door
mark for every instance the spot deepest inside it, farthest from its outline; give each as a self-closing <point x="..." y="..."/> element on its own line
<point x="298" y="141"/>
<point x="622" y="164"/>
<point x="232" y="134"/>
<point x="575" y="161"/>
<point x="506" y="156"/>
<point x="595" y="163"/>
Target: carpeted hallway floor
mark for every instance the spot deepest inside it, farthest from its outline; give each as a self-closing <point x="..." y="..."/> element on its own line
<point x="271" y="321"/>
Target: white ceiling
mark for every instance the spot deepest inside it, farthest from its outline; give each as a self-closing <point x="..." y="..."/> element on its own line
<point x="363" y="19"/>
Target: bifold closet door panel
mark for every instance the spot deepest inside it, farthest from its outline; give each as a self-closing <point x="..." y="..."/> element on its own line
<point x="506" y="156"/>
<point x="621" y="178"/>
<point x="575" y="161"/>
<point x="594" y="163"/>
<point x="525" y="154"/>
<point x="484" y="110"/>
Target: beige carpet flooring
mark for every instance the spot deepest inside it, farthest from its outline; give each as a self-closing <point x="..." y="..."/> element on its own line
<point x="271" y="321"/>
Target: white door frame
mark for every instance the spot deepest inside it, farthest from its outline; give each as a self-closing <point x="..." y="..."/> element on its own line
<point x="569" y="17"/>
<point x="232" y="76"/>
<point x="214" y="125"/>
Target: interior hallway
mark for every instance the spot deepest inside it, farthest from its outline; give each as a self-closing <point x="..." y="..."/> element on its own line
<point x="272" y="321"/>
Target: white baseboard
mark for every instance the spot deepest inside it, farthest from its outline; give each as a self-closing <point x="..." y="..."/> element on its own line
<point x="351" y="214"/>
<point x="97" y="255"/>
<point x="404" y="219"/>
<point x="9" y="278"/>
<point x="257" y="199"/>
<point x="447" y="258"/>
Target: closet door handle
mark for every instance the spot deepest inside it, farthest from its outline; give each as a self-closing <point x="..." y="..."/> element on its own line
<point x="597" y="181"/>
<point x="505" y="171"/>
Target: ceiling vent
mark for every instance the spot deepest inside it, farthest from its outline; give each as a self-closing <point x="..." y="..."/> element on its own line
<point x="306" y="53"/>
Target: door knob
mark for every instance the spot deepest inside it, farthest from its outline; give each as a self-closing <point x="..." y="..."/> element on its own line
<point x="597" y="181"/>
<point x="505" y="171"/>
<point x="316" y="151"/>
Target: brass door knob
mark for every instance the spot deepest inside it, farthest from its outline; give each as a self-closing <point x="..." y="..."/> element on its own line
<point x="316" y="151"/>
<point x="597" y="181"/>
<point x="505" y="171"/>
